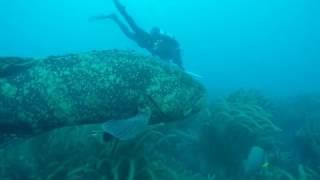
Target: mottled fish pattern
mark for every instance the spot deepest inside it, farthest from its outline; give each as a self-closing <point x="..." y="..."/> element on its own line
<point x="57" y="91"/>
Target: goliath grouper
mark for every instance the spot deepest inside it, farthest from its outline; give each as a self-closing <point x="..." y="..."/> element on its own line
<point x="125" y="91"/>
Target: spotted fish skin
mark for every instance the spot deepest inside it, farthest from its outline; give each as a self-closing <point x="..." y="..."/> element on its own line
<point x="94" y="87"/>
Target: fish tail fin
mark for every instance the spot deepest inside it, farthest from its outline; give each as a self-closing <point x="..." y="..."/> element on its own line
<point x="14" y="65"/>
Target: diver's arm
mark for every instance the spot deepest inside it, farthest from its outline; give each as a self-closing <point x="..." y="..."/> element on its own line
<point x="177" y="59"/>
<point x="127" y="17"/>
<point x="177" y="56"/>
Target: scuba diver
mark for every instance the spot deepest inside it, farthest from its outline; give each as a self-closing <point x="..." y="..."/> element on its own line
<point x="156" y="42"/>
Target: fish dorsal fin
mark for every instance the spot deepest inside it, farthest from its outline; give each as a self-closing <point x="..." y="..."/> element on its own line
<point x="10" y="66"/>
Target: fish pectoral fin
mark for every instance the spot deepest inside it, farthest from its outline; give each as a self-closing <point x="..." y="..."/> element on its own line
<point x="126" y="129"/>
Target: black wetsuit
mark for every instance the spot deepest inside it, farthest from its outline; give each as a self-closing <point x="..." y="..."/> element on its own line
<point x="161" y="45"/>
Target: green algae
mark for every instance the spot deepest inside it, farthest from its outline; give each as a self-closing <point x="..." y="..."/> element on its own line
<point x="234" y="125"/>
<point x="7" y="89"/>
<point x="84" y="156"/>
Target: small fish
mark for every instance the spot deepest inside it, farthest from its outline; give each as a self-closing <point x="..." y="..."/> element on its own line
<point x="265" y="165"/>
<point x="256" y="160"/>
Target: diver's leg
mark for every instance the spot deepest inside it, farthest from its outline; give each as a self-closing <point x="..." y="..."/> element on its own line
<point x="178" y="61"/>
<point x="115" y="19"/>
<point x="100" y="17"/>
<point x="128" y="18"/>
<point x="122" y="26"/>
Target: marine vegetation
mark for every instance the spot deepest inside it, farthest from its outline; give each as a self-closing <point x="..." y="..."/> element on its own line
<point x="309" y="143"/>
<point x="90" y="88"/>
<point x="299" y="117"/>
<point x="217" y="144"/>
<point x="235" y="124"/>
<point x="308" y="137"/>
<point x="79" y="153"/>
<point x="277" y="173"/>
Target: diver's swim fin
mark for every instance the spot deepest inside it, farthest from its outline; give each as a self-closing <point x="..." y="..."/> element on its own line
<point x="126" y="129"/>
<point x="103" y="17"/>
<point x="194" y="75"/>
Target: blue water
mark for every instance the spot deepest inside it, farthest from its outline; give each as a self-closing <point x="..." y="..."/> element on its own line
<point x="271" y="45"/>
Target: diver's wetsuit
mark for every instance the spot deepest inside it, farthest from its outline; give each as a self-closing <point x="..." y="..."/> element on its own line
<point x="158" y="44"/>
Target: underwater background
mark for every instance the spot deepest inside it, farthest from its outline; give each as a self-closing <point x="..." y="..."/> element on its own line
<point x="258" y="60"/>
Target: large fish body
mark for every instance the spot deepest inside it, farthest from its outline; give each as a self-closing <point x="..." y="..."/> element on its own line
<point x="87" y="88"/>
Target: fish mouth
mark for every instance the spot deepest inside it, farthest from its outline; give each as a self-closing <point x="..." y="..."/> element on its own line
<point x="159" y="111"/>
